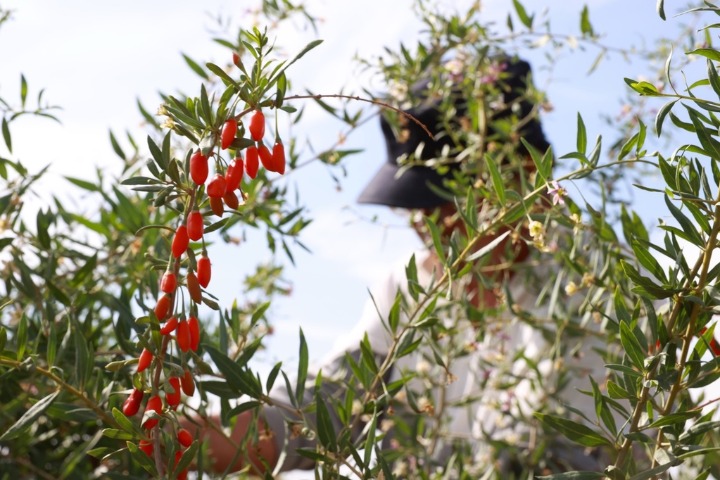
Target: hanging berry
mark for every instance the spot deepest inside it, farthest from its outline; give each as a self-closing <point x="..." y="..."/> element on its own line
<point x="144" y="360"/>
<point x="199" y="167"/>
<point x="251" y="161"/>
<point x="257" y="125"/>
<point x="203" y="271"/>
<point x="278" y="157"/>
<point x="228" y="133"/>
<point x="180" y="241"/>
<point x="195" y="225"/>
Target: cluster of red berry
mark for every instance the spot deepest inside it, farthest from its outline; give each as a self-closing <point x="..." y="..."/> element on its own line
<point x="220" y="191"/>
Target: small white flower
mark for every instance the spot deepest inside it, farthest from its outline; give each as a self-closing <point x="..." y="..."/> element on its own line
<point x="571" y="289"/>
<point x="536" y="229"/>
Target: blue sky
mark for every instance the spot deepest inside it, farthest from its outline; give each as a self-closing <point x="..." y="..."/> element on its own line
<point x="96" y="58"/>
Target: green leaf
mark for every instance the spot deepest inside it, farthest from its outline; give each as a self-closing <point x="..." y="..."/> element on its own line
<point x="325" y="429"/>
<point x="6" y="134"/>
<point x="522" y="14"/>
<point x="662" y="113"/>
<point x="116" y="146"/>
<point x="23" y="90"/>
<point x="29" y="417"/>
<point x="710" y="53"/>
<point x="227" y="79"/>
<point x="581" y="141"/>
<point x="660" y="7"/>
<point x="688" y="227"/>
<point x="195" y="67"/>
<point x="497" y="180"/>
<point x="632" y="346"/>
<point x="574" y="431"/>
<point x="673" y="418"/>
<point x="237" y="378"/>
<point x="585" y="26"/>
<point x="487" y="248"/>
<point x="302" y="368"/>
<point x="21" y="339"/>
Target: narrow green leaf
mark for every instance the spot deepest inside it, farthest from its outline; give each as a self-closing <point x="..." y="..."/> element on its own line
<point x="22" y="337"/>
<point x="585" y="26"/>
<point x="116" y="146"/>
<point x="632" y="346"/>
<point x="497" y="180"/>
<point x="581" y="141"/>
<point x="325" y="429"/>
<point x="574" y="431"/>
<point x="710" y="53"/>
<point x="195" y="67"/>
<point x="237" y="378"/>
<point x="662" y="113"/>
<point x="522" y="14"/>
<point x="487" y="248"/>
<point x="302" y="369"/>
<point x="688" y="227"/>
<point x="6" y="134"/>
<point x="673" y="418"/>
<point x="660" y="7"/>
<point x="29" y="417"/>
<point x="579" y="475"/>
<point x="23" y="90"/>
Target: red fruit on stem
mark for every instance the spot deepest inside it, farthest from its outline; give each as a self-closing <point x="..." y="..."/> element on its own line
<point x="154" y="404"/>
<point x="252" y="162"/>
<point x="184" y="437"/>
<point x="194" y="328"/>
<point x="236" y="59"/>
<point x="193" y="287"/>
<point x="257" y="125"/>
<point x="233" y="175"/>
<point x="188" y="383"/>
<point x="182" y="336"/>
<point x="228" y="133"/>
<point x="173" y="398"/>
<point x="195" y="225"/>
<point x="145" y="359"/>
<point x="216" y="187"/>
<point x="132" y="404"/>
<point x="199" y="167"/>
<point x="162" y="309"/>
<point x="216" y="205"/>
<point x="168" y="284"/>
<point x="265" y="157"/>
<point x="278" y="156"/>
<point x="147" y="447"/>
<point x="231" y="200"/>
<point x="169" y="326"/>
<point x="180" y="241"/>
<point x="203" y="271"/>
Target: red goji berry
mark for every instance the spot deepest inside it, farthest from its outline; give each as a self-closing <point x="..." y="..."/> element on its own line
<point x="169" y="326"/>
<point x="203" y="271"/>
<point x="236" y="59"/>
<point x="252" y="161"/>
<point x="216" y="205"/>
<point x="182" y="336"/>
<point x="162" y="309"/>
<point x="132" y="404"/>
<point x="193" y="287"/>
<point x="168" y="284"/>
<point x="265" y="157"/>
<point x="188" y="383"/>
<point x="195" y="225"/>
<point x="180" y="241"/>
<point x="173" y="398"/>
<point x="194" y="328"/>
<point x="154" y="404"/>
<point x="228" y="132"/>
<point x="257" y="125"/>
<point x="231" y="200"/>
<point x="216" y="186"/>
<point x="144" y="360"/>
<point x="199" y="167"/>
<point x="147" y="447"/>
<point x="233" y="175"/>
<point x="278" y="158"/>
<point x="184" y="437"/>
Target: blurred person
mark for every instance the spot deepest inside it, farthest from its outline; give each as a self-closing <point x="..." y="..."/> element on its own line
<point x="492" y="358"/>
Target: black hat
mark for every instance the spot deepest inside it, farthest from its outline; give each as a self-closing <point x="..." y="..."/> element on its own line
<point x="417" y="186"/>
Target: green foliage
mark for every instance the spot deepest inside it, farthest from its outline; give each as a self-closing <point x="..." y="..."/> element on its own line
<point x="79" y="287"/>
